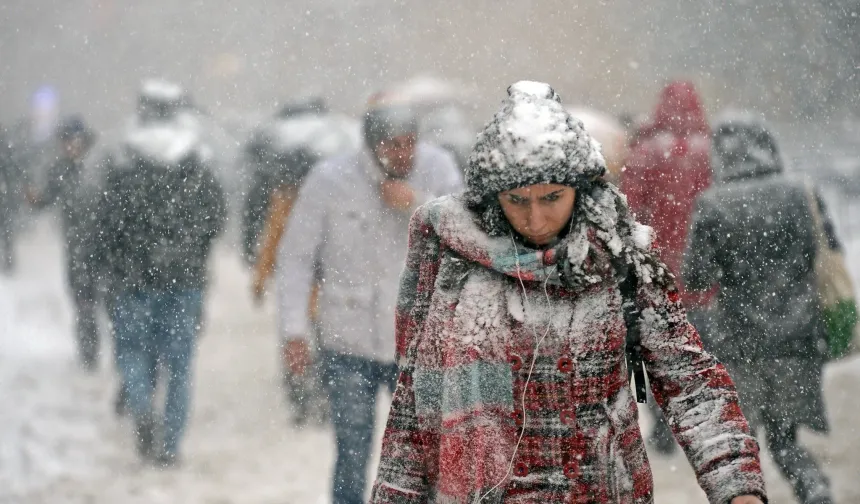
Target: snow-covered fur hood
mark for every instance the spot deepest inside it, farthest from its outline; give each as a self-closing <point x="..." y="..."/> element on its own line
<point x="744" y="147"/>
<point x="532" y="139"/>
<point x="604" y="242"/>
<point x="165" y="143"/>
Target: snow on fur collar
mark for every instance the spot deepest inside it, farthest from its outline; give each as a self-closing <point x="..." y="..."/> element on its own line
<point x="604" y="241"/>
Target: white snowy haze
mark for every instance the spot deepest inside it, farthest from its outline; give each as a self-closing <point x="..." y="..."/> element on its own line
<point x="791" y="57"/>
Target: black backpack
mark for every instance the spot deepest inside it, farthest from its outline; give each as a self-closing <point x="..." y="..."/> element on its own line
<point x="633" y="346"/>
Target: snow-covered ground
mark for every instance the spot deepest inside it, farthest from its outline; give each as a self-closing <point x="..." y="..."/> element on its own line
<point x="61" y="444"/>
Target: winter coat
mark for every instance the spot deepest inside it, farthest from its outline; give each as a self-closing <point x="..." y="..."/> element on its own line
<point x="66" y="189"/>
<point x="10" y="179"/>
<point x="341" y="232"/>
<point x="669" y="165"/>
<point x="753" y="235"/>
<point x="513" y="379"/>
<point x="157" y="225"/>
<point x="76" y="201"/>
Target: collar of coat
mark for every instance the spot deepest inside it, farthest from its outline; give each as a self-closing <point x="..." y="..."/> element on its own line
<point x="604" y="241"/>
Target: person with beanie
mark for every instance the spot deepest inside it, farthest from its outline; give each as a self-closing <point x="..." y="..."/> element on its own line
<point x="348" y="231"/>
<point x="513" y="381"/>
<point x="753" y="235"/>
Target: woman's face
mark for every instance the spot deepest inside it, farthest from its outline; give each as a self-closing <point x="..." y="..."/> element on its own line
<point x="538" y="212"/>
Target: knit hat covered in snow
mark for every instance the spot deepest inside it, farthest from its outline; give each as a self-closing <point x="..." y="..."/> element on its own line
<point x="531" y="140"/>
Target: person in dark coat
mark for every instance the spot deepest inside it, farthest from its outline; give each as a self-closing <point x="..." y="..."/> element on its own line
<point x="69" y="192"/>
<point x="158" y="219"/>
<point x="753" y="236"/>
<point x="266" y="173"/>
<point x="9" y="200"/>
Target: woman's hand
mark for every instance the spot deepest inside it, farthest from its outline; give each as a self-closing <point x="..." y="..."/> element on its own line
<point x="746" y="499"/>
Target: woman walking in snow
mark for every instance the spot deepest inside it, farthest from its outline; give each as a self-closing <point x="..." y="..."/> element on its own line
<point x="511" y="337"/>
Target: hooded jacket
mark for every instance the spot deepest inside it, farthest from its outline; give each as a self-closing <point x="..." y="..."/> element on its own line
<point x="513" y="383"/>
<point x="669" y="165"/>
<point x="157" y="224"/>
<point x="341" y="234"/>
<point x="753" y="236"/>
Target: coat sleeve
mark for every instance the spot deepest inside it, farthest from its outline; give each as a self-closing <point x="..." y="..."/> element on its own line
<point x="403" y="476"/>
<point x="280" y="205"/>
<point x="699" y="400"/>
<point x="297" y="255"/>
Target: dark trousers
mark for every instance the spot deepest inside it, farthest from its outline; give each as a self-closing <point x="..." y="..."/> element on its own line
<point x="796" y="463"/>
<point x="83" y="286"/>
<point x="352" y="384"/>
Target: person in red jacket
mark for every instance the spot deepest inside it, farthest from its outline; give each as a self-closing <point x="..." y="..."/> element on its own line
<point x="667" y="168"/>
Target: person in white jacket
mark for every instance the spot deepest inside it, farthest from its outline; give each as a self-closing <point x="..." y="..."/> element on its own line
<point x="349" y="227"/>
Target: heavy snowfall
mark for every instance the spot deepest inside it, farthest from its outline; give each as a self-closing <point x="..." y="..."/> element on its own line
<point x="205" y="208"/>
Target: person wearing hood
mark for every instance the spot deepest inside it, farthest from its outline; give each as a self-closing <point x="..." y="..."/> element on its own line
<point x="70" y="193"/>
<point x="753" y="236"/>
<point x="513" y="381"/>
<point x="160" y="212"/>
<point x="667" y="167"/>
<point x="348" y="230"/>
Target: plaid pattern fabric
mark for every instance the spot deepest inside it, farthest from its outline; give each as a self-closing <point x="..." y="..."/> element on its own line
<point x="472" y="419"/>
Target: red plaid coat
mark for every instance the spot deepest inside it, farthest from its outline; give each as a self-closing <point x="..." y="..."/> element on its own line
<point x="515" y="391"/>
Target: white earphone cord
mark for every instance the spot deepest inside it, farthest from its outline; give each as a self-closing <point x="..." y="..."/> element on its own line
<point x="531" y="367"/>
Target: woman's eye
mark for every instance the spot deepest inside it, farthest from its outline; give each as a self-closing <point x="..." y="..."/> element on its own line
<point x="551" y="197"/>
<point x="516" y="200"/>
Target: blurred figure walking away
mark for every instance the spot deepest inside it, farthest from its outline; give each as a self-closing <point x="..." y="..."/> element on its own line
<point x="73" y="195"/>
<point x="160" y="213"/>
<point x="754" y="236"/>
<point x="669" y="165"/>
<point x="10" y="179"/>
<point x="349" y="226"/>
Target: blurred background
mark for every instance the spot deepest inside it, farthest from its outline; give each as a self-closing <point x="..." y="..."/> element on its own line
<point x="797" y="62"/>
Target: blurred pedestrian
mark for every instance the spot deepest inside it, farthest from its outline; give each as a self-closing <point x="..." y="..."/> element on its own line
<point x="668" y="166"/>
<point x="160" y="213"/>
<point x="513" y="386"/>
<point x="260" y="155"/>
<point x="349" y="226"/>
<point x="73" y="195"/>
<point x="10" y="178"/>
<point x="292" y="145"/>
<point x="754" y="236"/>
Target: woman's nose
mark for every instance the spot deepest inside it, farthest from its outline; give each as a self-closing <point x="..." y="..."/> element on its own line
<point x="536" y="219"/>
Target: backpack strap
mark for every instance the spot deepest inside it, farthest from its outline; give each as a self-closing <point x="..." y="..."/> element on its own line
<point x="633" y="347"/>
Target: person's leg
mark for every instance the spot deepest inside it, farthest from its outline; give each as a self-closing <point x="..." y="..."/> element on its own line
<point x="796" y="463"/>
<point x="132" y="318"/>
<point x="83" y="290"/>
<point x="7" y="247"/>
<point x="177" y="336"/>
<point x="87" y="329"/>
<point x="352" y="394"/>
